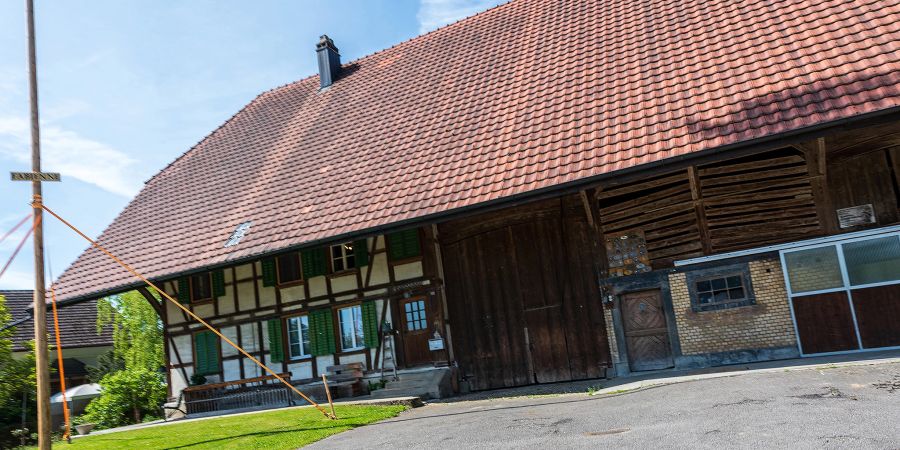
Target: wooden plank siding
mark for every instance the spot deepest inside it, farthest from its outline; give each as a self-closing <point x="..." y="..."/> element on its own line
<point x="523" y="297"/>
<point x="716" y="207"/>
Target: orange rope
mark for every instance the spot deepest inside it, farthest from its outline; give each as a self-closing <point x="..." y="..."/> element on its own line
<point x="19" y="247"/>
<point x="59" y="363"/>
<point x="21" y="222"/>
<point x="183" y="308"/>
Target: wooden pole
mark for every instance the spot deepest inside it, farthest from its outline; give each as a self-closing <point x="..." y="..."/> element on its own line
<point x="328" y="394"/>
<point x="40" y="306"/>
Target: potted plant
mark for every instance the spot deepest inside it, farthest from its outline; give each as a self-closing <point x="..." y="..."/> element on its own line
<point x="83" y="428"/>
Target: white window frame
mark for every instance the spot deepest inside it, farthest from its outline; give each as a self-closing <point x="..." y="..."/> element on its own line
<point x="304" y="350"/>
<point x="344" y="256"/>
<point x="355" y="317"/>
<point x="838" y="243"/>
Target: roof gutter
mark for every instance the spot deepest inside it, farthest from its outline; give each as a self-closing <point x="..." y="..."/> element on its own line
<point x="738" y="149"/>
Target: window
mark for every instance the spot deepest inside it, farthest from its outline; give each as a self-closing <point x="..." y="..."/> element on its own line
<point x="289" y="268"/>
<point x="872" y="261"/>
<point x="342" y="257"/>
<point x="415" y="315"/>
<point x="724" y="289"/>
<point x="201" y="287"/>
<point x="351" y="324"/>
<point x="720" y="288"/>
<point x="298" y="337"/>
<point x="813" y="270"/>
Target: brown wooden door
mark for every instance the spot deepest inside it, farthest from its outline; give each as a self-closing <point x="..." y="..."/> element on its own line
<point x="523" y="297"/>
<point x="646" y="333"/>
<point x="415" y="329"/>
<point x="878" y="315"/>
<point x="825" y="323"/>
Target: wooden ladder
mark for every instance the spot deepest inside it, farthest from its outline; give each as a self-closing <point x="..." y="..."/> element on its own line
<point x="388" y="356"/>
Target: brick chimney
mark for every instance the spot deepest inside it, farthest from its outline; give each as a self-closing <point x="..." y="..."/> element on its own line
<point x="329" y="61"/>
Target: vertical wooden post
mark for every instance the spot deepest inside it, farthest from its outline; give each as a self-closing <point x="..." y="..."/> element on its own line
<point x="328" y="394"/>
<point x="699" y="209"/>
<point x="40" y="307"/>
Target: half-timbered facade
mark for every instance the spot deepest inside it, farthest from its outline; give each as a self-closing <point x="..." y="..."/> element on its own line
<point x="546" y="191"/>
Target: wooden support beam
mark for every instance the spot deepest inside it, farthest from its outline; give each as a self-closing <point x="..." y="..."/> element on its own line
<point x="817" y="166"/>
<point x="587" y="208"/>
<point x="152" y="300"/>
<point x="700" y="210"/>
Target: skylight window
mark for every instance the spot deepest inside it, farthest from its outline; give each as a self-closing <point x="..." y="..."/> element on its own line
<point x="238" y="234"/>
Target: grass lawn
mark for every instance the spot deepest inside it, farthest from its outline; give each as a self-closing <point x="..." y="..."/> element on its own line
<point x="279" y="429"/>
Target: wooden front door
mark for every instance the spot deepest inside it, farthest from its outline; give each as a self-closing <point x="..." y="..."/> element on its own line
<point x="415" y="330"/>
<point x="646" y="333"/>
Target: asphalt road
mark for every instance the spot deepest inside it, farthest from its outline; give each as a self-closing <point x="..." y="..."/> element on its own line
<point x="845" y="407"/>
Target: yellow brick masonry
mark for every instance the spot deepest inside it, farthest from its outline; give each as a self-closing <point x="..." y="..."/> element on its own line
<point x="763" y="325"/>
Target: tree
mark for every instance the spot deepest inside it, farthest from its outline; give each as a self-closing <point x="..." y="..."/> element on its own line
<point x="137" y="330"/>
<point x="17" y="384"/>
<point x="133" y="386"/>
<point x="128" y="396"/>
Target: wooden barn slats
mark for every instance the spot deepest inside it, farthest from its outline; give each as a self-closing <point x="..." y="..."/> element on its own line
<point x="758" y="200"/>
<point x="662" y="207"/>
<point x="716" y="207"/>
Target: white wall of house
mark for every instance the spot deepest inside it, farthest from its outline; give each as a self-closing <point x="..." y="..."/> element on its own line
<point x="241" y="314"/>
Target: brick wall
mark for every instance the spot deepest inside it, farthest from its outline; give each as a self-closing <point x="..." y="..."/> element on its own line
<point x="766" y="324"/>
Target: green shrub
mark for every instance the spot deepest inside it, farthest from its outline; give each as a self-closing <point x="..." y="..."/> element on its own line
<point x="128" y="397"/>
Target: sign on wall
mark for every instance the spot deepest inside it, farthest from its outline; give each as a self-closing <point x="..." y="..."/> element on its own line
<point x="627" y="254"/>
<point x="855" y="216"/>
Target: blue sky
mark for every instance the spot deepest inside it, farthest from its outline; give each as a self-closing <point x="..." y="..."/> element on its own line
<point x="127" y="86"/>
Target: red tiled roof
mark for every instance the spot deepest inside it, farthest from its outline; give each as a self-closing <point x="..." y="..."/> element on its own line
<point x="528" y="95"/>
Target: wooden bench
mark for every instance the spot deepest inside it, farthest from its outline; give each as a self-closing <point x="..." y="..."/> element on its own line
<point x="346" y="380"/>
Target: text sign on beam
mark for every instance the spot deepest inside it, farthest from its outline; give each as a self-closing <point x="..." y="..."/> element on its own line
<point x="32" y="176"/>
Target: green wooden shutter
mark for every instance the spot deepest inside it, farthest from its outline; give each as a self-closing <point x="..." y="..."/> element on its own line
<point x="218" y="283"/>
<point x="269" y="275"/>
<point x="276" y="345"/>
<point x="361" y="253"/>
<point x="314" y="262"/>
<point x="404" y="244"/>
<point x="184" y="291"/>
<point x="370" y="324"/>
<point x="207" y="353"/>
<point x="321" y="333"/>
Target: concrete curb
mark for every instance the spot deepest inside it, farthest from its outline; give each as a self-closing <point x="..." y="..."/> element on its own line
<point x="654" y="382"/>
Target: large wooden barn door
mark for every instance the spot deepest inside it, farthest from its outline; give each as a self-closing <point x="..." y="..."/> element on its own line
<point x="523" y="298"/>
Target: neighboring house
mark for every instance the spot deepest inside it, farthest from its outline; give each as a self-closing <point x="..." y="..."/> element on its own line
<point x="558" y="190"/>
<point x="81" y="344"/>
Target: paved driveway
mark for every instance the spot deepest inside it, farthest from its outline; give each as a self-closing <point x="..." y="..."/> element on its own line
<point x="845" y="407"/>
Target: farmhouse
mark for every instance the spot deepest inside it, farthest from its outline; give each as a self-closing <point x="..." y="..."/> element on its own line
<point x="546" y="191"/>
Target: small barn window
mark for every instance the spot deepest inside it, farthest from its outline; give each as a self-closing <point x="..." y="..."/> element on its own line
<point x="342" y="257"/>
<point x="201" y="287"/>
<point x="720" y="288"/>
<point x="289" y="268"/>
<point x="298" y="337"/>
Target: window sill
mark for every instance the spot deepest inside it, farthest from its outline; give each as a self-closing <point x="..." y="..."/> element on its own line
<point x="343" y="273"/>
<point x="723" y="306"/>
<point x="400" y="262"/>
<point x="205" y="301"/>
<point x="290" y="284"/>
